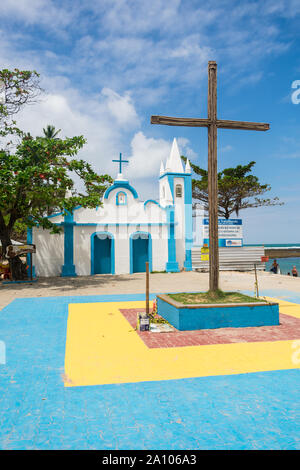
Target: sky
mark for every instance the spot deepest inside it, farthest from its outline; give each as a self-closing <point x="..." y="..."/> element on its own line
<point x="107" y="65"/>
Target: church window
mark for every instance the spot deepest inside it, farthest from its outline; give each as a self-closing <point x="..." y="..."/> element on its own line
<point x="178" y="190"/>
<point x="121" y="199"/>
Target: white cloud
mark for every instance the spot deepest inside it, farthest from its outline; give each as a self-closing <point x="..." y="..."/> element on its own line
<point x="43" y="12"/>
<point x="121" y="108"/>
<point x="226" y="148"/>
<point x="98" y="118"/>
<point x="147" y="153"/>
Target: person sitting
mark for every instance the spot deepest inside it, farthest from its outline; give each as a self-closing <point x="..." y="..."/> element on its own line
<point x="17" y="268"/>
<point x="274" y="267"/>
<point x="4" y="270"/>
<point x="294" y="271"/>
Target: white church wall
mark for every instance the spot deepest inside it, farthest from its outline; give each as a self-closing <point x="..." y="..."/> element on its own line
<point x="49" y="256"/>
<point x="82" y="249"/>
<point x="159" y="247"/>
<point x="122" y="260"/>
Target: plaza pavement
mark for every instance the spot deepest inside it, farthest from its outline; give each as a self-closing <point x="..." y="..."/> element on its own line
<point x="78" y="376"/>
<point x="135" y="283"/>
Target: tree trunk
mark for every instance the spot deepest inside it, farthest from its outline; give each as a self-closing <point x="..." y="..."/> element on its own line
<point x="5" y="235"/>
<point x="5" y="241"/>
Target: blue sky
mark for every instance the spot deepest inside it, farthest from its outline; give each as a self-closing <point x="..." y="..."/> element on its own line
<point x="108" y="65"/>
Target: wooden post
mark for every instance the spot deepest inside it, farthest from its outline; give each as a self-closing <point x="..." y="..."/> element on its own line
<point x="256" y="282"/>
<point x="212" y="124"/>
<point x="147" y="287"/>
<point x="213" y="178"/>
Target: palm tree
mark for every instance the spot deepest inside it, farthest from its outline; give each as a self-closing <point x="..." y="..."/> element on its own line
<point x="50" y="132"/>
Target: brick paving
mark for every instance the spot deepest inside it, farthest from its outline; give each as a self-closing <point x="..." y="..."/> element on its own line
<point x="288" y="329"/>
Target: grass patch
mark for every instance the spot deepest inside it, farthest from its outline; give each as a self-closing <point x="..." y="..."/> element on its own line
<point x="218" y="297"/>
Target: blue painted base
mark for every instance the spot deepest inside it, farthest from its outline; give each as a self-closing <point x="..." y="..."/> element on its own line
<point x="172" y="267"/>
<point x="68" y="271"/>
<point x="188" y="266"/>
<point x="20" y="282"/>
<point x="187" y="317"/>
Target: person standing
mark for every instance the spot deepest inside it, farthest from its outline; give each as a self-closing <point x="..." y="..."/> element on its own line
<point x="275" y="267"/>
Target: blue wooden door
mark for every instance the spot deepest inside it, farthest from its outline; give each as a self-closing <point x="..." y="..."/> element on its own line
<point x="140" y="254"/>
<point x="102" y="256"/>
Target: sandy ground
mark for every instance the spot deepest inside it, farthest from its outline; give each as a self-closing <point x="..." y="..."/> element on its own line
<point x="135" y="283"/>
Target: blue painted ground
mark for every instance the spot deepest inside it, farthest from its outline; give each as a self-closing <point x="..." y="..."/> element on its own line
<point x="282" y="294"/>
<point x="247" y="411"/>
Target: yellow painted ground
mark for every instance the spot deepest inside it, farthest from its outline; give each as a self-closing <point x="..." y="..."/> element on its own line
<point x="102" y="348"/>
<point x="288" y="308"/>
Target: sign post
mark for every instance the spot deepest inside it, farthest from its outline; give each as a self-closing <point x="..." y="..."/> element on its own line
<point x="147" y="288"/>
<point x="205" y="252"/>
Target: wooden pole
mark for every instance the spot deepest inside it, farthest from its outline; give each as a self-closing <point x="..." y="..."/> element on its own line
<point x="213" y="178"/>
<point x="147" y="287"/>
<point x="256" y="282"/>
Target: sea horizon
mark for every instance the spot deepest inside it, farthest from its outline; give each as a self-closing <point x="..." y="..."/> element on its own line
<point x="277" y="245"/>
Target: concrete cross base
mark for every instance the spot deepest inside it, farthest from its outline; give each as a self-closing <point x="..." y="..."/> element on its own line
<point x="68" y="271"/>
<point x="211" y="316"/>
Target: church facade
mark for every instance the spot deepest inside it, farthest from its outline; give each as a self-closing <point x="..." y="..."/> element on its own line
<point x="122" y="233"/>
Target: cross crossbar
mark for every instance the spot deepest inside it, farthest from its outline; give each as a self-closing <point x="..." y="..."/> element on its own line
<point x="220" y="123"/>
<point x="120" y="161"/>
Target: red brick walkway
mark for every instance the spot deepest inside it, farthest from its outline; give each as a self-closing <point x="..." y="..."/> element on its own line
<point x="288" y="329"/>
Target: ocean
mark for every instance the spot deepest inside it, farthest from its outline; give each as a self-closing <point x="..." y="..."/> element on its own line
<point x="285" y="264"/>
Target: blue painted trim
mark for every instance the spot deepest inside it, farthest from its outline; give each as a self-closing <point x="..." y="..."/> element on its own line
<point x="54" y="215"/>
<point x="172" y="264"/>
<point x="174" y="174"/>
<point x="149" y="249"/>
<point x="112" y="248"/>
<point x="117" y="199"/>
<point x="117" y="224"/>
<point x="154" y="202"/>
<point x="68" y="268"/>
<point x="121" y="184"/>
<point x="29" y="241"/>
<point x="60" y="213"/>
<point x="188" y="221"/>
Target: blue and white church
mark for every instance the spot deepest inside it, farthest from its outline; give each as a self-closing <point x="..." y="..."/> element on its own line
<point x="123" y="232"/>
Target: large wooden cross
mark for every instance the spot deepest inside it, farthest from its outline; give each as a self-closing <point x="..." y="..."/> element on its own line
<point x="212" y="123"/>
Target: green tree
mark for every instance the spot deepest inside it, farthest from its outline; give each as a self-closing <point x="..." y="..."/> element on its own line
<point x="36" y="173"/>
<point x="35" y="178"/>
<point x="50" y="132"/>
<point x="18" y="88"/>
<point x="237" y="189"/>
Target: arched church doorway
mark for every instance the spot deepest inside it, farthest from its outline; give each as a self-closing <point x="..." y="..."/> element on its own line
<point x="140" y="252"/>
<point x="102" y="253"/>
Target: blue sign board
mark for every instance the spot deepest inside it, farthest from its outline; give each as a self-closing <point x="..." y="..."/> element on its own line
<point x="230" y="232"/>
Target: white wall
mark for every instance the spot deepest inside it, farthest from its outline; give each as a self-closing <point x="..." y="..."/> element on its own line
<point x="49" y="256"/>
<point x="198" y="216"/>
